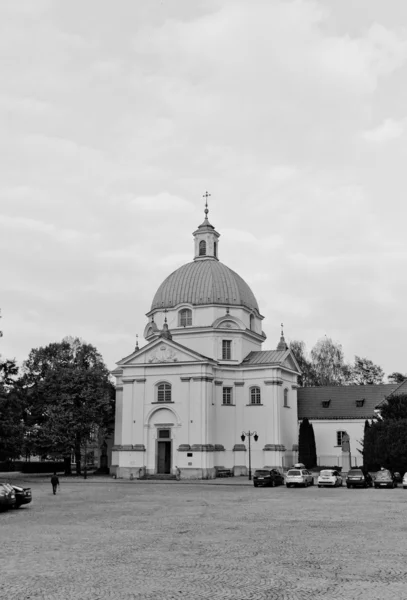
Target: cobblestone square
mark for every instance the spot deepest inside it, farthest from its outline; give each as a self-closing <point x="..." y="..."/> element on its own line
<point x="118" y="540"/>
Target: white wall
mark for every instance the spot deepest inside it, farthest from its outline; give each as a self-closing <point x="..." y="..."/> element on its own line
<point x="325" y="439"/>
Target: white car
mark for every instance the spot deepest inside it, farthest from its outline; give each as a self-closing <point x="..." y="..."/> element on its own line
<point x="405" y="481"/>
<point x="297" y="476"/>
<point x="329" y="477"/>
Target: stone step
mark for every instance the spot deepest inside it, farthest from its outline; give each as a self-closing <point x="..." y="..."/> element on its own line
<point x="160" y="476"/>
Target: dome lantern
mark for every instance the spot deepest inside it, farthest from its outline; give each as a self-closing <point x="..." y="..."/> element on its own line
<point x="206" y="237"/>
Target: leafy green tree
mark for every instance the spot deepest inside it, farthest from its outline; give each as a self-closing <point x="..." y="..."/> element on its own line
<point x="308" y="375"/>
<point x="328" y="363"/>
<point x="365" y="372"/>
<point x="388" y="443"/>
<point x="394" y="408"/>
<point x="11" y="412"/>
<point x="368" y="449"/>
<point x="396" y="377"/>
<point x="70" y="398"/>
<point x="307" y="453"/>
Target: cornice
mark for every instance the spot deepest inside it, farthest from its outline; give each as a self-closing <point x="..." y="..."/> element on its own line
<point x="129" y="448"/>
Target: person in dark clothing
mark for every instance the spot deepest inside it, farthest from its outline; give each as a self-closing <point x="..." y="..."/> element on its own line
<point x="54" y="483"/>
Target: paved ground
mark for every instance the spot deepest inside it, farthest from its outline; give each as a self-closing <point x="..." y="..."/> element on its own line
<point x="106" y="539"/>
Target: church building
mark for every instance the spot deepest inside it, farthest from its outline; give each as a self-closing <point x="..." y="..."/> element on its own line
<point x="185" y="398"/>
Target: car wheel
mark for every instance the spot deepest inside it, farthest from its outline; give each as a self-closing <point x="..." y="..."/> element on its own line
<point x="312" y="481"/>
<point x="256" y="484"/>
<point x="319" y="485"/>
<point x="305" y="483"/>
<point x="348" y="486"/>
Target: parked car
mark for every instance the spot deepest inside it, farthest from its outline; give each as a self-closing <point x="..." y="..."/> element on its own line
<point x="329" y="477"/>
<point x="405" y="481"/>
<point x="270" y="477"/>
<point x="385" y="478"/>
<point x="397" y="477"/>
<point x="7" y="496"/>
<point x="301" y="477"/>
<point x="23" y="495"/>
<point x="358" y="478"/>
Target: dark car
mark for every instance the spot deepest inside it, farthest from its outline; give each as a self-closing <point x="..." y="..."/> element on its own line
<point x="23" y="495"/>
<point x="7" y="496"/>
<point x="385" y="478"/>
<point x="358" y="478"/>
<point x="269" y="477"/>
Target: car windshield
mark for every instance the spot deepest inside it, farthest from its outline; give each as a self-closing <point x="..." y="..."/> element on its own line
<point x="327" y="473"/>
<point x="383" y="475"/>
<point x="294" y="473"/>
<point x="262" y="472"/>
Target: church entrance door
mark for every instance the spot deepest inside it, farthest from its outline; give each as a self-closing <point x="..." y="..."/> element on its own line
<point x="164" y="446"/>
<point x="164" y="457"/>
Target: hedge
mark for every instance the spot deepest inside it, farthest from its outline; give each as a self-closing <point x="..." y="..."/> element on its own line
<point x="32" y="467"/>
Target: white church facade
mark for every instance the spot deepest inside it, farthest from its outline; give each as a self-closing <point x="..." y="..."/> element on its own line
<point x="184" y="399"/>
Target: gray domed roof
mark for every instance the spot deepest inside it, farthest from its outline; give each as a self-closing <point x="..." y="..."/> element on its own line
<point x="204" y="282"/>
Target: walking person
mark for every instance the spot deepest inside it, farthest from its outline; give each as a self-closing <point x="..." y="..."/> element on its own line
<point x="54" y="483"/>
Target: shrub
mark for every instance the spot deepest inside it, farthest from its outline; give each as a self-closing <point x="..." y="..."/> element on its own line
<point x="42" y="467"/>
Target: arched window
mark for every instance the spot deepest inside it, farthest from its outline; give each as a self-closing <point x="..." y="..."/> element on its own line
<point x="286" y="398"/>
<point x="255" y="396"/>
<point x="339" y="437"/>
<point x="215" y="249"/>
<point x="185" y="317"/>
<point x="164" y="392"/>
<point x="252" y="322"/>
<point x="202" y="248"/>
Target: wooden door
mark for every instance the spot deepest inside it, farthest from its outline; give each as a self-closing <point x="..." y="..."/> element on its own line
<point x="163" y="457"/>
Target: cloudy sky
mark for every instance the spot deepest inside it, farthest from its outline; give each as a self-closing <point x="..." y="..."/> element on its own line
<point x="115" y="118"/>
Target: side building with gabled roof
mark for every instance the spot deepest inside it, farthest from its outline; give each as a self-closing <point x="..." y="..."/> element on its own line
<point x="334" y="410"/>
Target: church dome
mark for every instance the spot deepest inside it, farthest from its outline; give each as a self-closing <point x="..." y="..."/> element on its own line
<point x="204" y="282"/>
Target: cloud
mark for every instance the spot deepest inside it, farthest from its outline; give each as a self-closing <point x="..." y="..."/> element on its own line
<point x="40" y="227"/>
<point x="164" y="202"/>
<point x="388" y="130"/>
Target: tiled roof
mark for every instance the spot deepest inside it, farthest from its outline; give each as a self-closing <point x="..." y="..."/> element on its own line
<point x="401" y="388"/>
<point x="204" y="282"/>
<point x="263" y="357"/>
<point x="342" y="401"/>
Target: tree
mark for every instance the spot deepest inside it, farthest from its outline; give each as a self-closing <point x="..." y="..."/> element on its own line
<point x="328" y="363"/>
<point x="394" y="407"/>
<point x="11" y="412"/>
<point x="69" y="398"/>
<point x="365" y="372"/>
<point x="308" y="376"/>
<point x="307" y="453"/>
<point x="368" y="450"/>
<point x="388" y="442"/>
<point x="396" y="377"/>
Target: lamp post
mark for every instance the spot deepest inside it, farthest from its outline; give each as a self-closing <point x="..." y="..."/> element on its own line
<point x="249" y="434"/>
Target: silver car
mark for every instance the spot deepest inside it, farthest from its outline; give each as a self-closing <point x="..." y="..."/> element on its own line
<point x="302" y="477"/>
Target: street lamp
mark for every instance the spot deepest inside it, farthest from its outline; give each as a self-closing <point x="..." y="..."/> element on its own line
<point x="249" y="434"/>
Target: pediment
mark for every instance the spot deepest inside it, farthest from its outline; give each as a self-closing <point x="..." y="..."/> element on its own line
<point x="290" y="362"/>
<point x="162" y="351"/>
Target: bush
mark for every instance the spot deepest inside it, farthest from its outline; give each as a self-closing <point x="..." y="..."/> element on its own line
<point x="42" y="467"/>
<point x="7" y="465"/>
